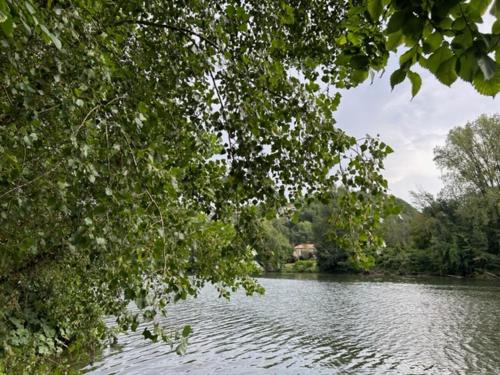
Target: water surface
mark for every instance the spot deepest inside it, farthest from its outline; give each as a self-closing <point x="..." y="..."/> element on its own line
<point x="313" y="324"/>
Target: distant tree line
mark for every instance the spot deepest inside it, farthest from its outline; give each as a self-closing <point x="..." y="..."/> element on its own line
<point x="455" y="233"/>
<point x="459" y="231"/>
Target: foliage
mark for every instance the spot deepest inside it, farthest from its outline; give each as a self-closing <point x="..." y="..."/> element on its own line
<point x="272" y="246"/>
<point x="459" y="232"/>
<point x="302" y="266"/>
<point x="443" y="37"/>
<point x="471" y="158"/>
<point x="136" y="139"/>
<point x="338" y="248"/>
<point x="302" y="232"/>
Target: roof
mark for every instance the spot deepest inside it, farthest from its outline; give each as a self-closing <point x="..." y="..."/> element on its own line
<point x="305" y="246"/>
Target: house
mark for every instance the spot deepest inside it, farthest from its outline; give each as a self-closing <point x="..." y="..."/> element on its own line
<point x="304" y="251"/>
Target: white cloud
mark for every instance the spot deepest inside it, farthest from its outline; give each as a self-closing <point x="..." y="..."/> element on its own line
<point x="412" y="127"/>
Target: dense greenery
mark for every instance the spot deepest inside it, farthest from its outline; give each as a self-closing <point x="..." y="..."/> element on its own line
<point x="301" y="266"/>
<point x="459" y="232"/>
<point x="320" y="223"/>
<point x="137" y="138"/>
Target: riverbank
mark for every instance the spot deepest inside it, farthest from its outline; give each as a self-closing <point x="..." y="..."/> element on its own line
<point x="311" y="266"/>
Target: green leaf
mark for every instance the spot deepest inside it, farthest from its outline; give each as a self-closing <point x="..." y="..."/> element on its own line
<point x="407" y="57"/>
<point x="3" y="17"/>
<point x="495" y="28"/>
<point x="7" y="26"/>
<point x="360" y="61"/>
<point x="416" y="83"/>
<point x="487" y="87"/>
<point x="441" y="55"/>
<point x="375" y="8"/>
<point x="394" y="40"/>
<point x="446" y="72"/>
<point x="467" y="66"/>
<point x="29" y="7"/>
<point x="397" y="77"/>
<point x="359" y="76"/>
<point x="51" y="36"/>
<point x="462" y="41"/>
<point x="487" y="66"/>
<point x="432" y="42"/>
<point x="149" y="335"/>
<point x="412" y="27"/>
<point x="187" y="330"/>
<point x="182" y="347"/>
<point x="480" y="6"/>
<point x="396" y="22"/>
<point x="459" y="24"/>
<point x="495" y="9"/>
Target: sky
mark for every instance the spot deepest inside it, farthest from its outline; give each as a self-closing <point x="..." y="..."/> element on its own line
<point x="413" y="128"/>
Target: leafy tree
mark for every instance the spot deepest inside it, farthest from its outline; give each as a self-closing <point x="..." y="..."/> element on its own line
<point x="272" y="246"/>
<point x="134" y="140"/>
<point x="338" y="247"/>
<point x="459" y="232"/>
<point x="471" y="156"/>
<point x="301" y="232"/>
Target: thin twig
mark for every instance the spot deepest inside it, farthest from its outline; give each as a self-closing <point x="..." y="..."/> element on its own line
<point x="93" y="110"/>
<point x="31" y="181"/>
<point x="8" y="96"/>
<point x="49" y="108"/>
<point x="163" y="231"/>
<point x="182" y="30"/>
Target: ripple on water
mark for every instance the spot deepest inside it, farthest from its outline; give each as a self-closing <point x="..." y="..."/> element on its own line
<point x="311" y="326"/>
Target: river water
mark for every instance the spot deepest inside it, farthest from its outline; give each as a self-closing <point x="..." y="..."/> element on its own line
<point x="314" y="324"/>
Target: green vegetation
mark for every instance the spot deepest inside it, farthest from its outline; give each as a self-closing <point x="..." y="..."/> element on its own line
<point x="302" y="266"/>
<point x="457" y="233"/>
<point x="140" y="142"/>
<point x="338" y="249"/>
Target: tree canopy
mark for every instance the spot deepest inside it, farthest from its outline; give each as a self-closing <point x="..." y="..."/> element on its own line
<point x="136" y="139"/>
<point x="459" y="231"/>
<point x="471" y="158"/>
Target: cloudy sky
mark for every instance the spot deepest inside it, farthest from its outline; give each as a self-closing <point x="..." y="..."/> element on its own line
<point x="412" y="127"/>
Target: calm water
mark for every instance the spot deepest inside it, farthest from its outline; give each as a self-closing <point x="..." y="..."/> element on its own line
<point x="328" y="325"/>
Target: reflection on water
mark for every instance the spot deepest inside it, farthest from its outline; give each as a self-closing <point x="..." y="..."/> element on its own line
<point x="324" y="325"/>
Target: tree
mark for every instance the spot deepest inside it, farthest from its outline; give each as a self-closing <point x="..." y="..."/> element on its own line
<point x="136" y="137"/>
<point x="457" y="233"/>
<point x="471" y="156"/>
<point x="135" y="140"/>
<point x="471" y="162"/>
<point x="272" y="246"/>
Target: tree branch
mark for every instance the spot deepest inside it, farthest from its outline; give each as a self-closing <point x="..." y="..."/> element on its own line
<point x="93" y="110"/>
<point x="186" y="32"/>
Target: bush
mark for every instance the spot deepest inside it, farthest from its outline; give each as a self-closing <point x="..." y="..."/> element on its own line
<point x="302" y="266"/>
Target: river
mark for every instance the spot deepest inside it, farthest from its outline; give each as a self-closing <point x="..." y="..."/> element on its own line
<point x="319" y="324"/>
